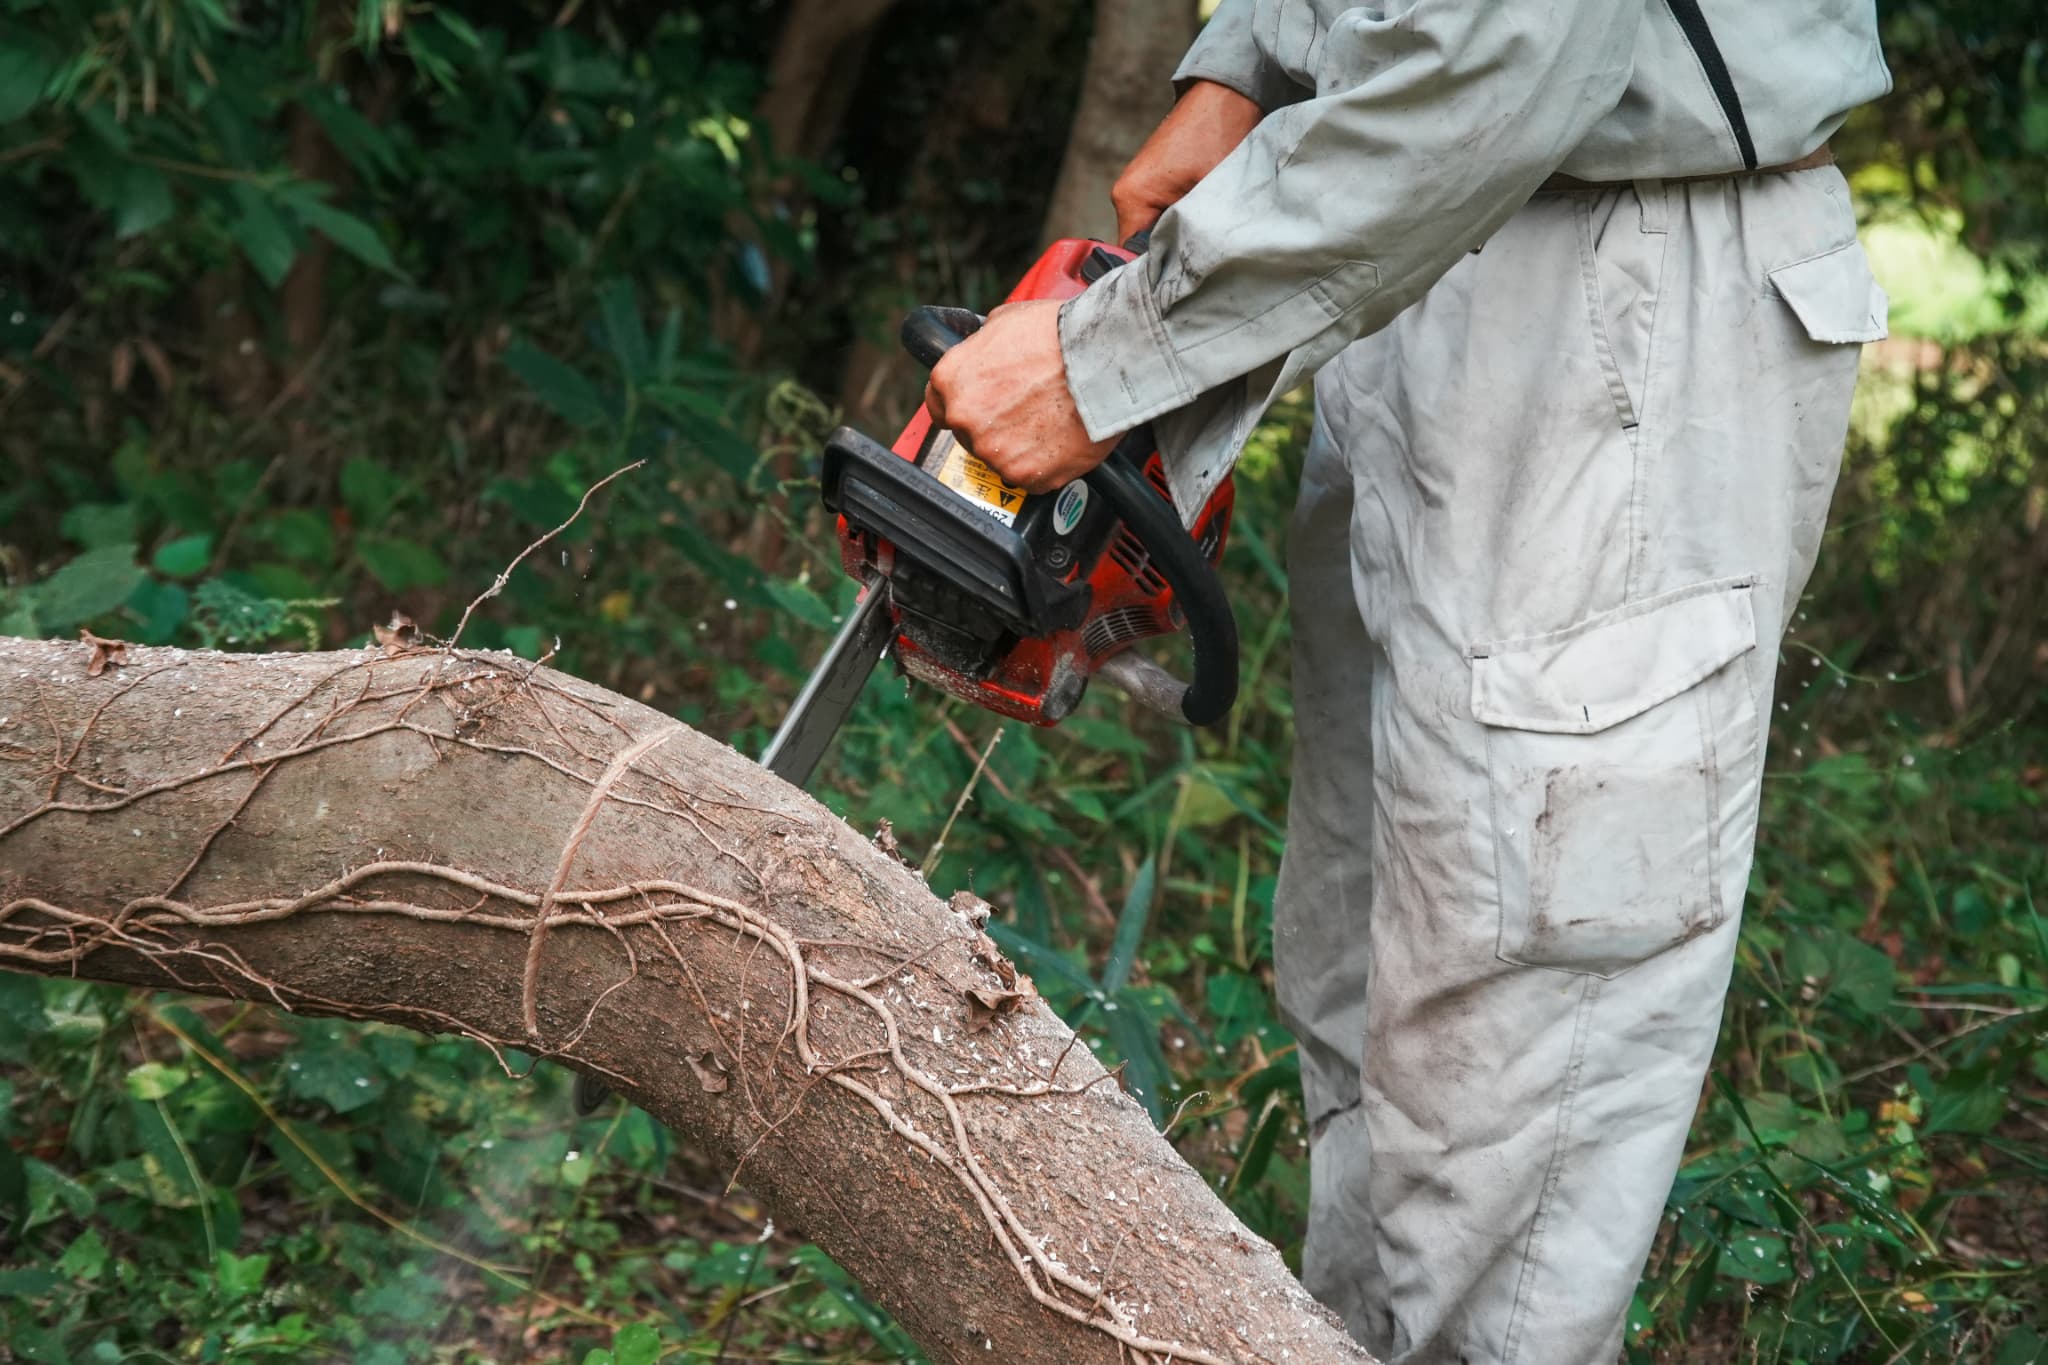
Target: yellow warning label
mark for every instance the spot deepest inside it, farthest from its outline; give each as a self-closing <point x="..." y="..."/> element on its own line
<point x="975" y="481"/>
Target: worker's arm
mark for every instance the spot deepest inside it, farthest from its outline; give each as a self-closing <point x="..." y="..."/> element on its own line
<point x="1226" y="83"/>
<point x="1336" y="213"/>
<point x="1205" y="125"/>
<point x="1435" y="123"/>
<point x="1227" y="52"/>
<point x="1019" y="414"/>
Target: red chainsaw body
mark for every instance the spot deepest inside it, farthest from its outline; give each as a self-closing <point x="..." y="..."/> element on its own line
<point x="1041" y="678"/>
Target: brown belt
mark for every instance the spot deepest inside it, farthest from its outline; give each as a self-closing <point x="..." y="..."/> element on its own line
<point x="1571" y="184"/>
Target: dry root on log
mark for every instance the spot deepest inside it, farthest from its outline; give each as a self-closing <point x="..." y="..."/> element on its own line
<point x="468" y="843"/>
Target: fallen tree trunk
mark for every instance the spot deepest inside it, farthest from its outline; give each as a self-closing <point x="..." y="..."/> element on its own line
<point x="468" y="843"/>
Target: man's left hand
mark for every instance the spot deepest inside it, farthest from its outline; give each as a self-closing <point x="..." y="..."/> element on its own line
<point x="1003" y="392"/>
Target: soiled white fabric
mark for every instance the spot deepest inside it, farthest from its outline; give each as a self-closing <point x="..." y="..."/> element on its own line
<point x="1398" y="137"/>
<point x="1554" y="520"/>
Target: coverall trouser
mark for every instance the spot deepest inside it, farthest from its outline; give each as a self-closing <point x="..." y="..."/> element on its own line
<point x="1554" y="520"/>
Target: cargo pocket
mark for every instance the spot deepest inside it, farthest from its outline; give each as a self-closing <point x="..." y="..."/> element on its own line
<point x="1621" y="755"/>
<point x="1836" y="298"/>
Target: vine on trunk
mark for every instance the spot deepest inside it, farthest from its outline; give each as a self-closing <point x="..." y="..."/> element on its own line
<point x="450" y="700"/>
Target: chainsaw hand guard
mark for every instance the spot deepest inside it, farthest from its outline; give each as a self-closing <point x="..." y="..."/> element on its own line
<point x="883" y="494"/>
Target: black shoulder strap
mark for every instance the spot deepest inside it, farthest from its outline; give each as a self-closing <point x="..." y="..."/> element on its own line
<point x="1693" y="24"/>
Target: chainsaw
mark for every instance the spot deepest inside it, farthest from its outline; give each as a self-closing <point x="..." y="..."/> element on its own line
<point x="1008" y="599"/>
<point x="1011" y="600"/>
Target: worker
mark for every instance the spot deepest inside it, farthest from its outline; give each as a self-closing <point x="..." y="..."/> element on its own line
<point x="1581" y="292"/>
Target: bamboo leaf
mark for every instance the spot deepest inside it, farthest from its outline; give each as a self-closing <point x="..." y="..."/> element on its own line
<point x="346" y="231"/>
<point x="26" y="65"/>
<point x="93" y="584"/>
<point x="262" y="233"/>
<point x="1130" y="928"/>
<point x="558" y="385"/>
<point x="623" y="330"/>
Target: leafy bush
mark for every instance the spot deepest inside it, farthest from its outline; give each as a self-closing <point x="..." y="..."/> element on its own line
<point x="363" y="298"/>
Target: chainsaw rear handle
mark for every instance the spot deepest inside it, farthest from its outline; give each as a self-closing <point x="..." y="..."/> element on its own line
<point x="930" y="331"/>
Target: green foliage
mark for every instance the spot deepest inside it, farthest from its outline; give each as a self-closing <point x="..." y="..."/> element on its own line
<point x="91" y="585"/>
<point x="1848" y="1169"/>
<point x="1966" y="125"/>
<point x="240" y="1130"/>
<point x="363" y="298"/>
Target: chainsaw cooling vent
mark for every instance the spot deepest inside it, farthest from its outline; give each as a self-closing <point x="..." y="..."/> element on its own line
<point x="1120" y="627"/>
<point x="1126" y="550"/>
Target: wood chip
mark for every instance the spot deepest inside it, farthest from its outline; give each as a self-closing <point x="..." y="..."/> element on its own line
<point x="398" y="637"/>
<point x="710" y="1072"/>
<point x="105" y="653"/>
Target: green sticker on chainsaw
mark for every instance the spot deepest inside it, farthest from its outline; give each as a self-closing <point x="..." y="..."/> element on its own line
<point x="975" y="481"/>
<point x="1066" y="513"/>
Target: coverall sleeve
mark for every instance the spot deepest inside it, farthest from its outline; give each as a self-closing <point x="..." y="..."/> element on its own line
<point x="1434" y="123"/>
<point x="1227" y="52"/>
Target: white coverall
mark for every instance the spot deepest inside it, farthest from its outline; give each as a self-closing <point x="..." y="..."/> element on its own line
<point x="1559" y="503"/>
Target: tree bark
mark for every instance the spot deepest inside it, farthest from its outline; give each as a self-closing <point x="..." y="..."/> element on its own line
<point x="469" y="843"/>
<point x="816" y="61"/>
<point x="816" y="64"/>
<point x="1125" y="91"/>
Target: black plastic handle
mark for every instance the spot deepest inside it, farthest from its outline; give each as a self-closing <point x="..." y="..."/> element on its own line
<point x="930" y="331"/>
<point x="1212" y="626"/>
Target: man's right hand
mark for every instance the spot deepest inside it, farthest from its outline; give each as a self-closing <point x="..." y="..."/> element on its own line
<point x="1206" y="124"/>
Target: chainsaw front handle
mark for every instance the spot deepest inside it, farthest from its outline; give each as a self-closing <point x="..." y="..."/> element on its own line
<point x="928" y="333"/>
<point x="1212" y="626"/>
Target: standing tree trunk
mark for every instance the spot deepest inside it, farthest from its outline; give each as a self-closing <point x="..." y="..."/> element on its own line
<point x="468" y="843"/>
<point x="1124" y="93"/>
<point x="811" y="76"/>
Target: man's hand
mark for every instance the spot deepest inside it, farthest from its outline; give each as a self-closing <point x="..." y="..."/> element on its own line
<point x="1205" y="126"/>
<point x="1003" y="391"/>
